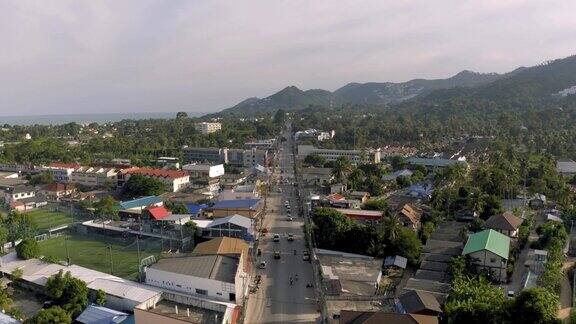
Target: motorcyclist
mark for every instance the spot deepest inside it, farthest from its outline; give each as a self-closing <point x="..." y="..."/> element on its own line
<point x="291" y="281"/>
<point x="296" y="277"/>
<point x="294" y="252"/>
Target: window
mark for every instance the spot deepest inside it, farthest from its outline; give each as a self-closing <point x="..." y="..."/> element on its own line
<point x="492" y="260"/>
<point x="201" y="291"/>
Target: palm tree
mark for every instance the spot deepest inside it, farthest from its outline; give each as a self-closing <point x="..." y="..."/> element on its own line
<point x="342" y="167"/>
<point x="391" y="227"/>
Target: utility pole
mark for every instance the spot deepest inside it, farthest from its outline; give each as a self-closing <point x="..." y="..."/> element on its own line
<point x="111" y="265"/>
<point x="66" y="247"/>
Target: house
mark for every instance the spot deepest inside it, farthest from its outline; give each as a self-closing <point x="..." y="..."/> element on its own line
<point x="506" y="223"/>
<point x="250" y="208"/>
<point x="19" y="192"/>
<point x="94" y="176"/>
<point x="536" y="260"/>
<point x="230" y="180"/>
<point x="100" y="314"/>
<point x="537" y="202"/>
<point x="418" y="302"/>
<point x="61" y="172"/>
<point x="205" y="176"/>
<point x="395" y="261"/>
<point x="214" y="277"/>
<point x="174" y="180"/>
<point x="55" y="191"/>
<point x="420" y="191"/>
<point x="361" y="215"/>
<point x="362" y="196"/>
<point x="140" y="204"/>
<point x="373" y="317"/>
<point x="411" y="216"/>
<point x="155" y="213"/>
<point x="317" y="176"/>
<point x="566" y="167"/>
<point x="168" y="162"/>
<point x="394" y="175"/>
<point x="236" y="226"/>
<point x="9" y="180"/>
<point x="240" y="192"/>
<point x="489" y="250"/>
<point x="24" y="198"/>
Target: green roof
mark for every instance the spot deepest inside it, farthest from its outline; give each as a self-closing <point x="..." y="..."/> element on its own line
<point x="490" y="240"/>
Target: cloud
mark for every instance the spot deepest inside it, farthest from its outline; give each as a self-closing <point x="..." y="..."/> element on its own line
<point x="145" y="55"/>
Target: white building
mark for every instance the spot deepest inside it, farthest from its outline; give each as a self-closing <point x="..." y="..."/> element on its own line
<point x="207" y="128"/>
<point x="204" y="170"/>
<point x="354" y="156"/>
<point x="61" y="172"/>
<point x="216" y="277"/>
<point x="94" y="176"/>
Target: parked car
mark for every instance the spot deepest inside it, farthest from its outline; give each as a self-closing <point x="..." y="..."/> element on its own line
<point x="276" y="238"/>
<point x="276" y="254"/>
<point x="290" y="237"/>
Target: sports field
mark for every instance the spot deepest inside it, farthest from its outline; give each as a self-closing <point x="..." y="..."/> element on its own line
<point x="91" y="251"/>
<point x="46" y="219"/>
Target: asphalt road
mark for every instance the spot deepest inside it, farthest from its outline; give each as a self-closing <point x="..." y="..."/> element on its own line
<point x="278" y="301"/>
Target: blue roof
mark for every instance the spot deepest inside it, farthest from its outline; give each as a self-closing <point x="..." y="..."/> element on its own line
<point x="237" y="203"/>
<point x="195" y="208"/>
<point x="140" y="202"/>
<point x="94" y="314"/>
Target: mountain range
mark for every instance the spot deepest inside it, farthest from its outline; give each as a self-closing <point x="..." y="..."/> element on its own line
<point x="543" y="81"/>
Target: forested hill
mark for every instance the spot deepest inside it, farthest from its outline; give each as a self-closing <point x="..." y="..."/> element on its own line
<point x="292" y="98"/>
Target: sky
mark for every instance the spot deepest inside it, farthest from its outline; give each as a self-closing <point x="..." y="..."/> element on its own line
<point x="61" y="57"/>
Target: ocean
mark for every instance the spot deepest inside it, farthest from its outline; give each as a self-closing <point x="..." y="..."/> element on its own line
<point x="87" y="118"/>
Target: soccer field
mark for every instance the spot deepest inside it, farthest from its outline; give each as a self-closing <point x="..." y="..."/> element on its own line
<point x="46" y="219"/>
<point x="92" y="252"/>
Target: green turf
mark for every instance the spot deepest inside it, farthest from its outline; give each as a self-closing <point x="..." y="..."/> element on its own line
<point x="92" y="252"/>
<point x="46" y="219"/>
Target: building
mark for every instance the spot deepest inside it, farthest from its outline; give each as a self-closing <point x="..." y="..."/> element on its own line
<point x="19" y="192"/>
<point x="395" y="262"/>
<point x="506" y="223"/>
<point x="566" y="167"/>
<point x="205" y="155"/>
<point x="489" y="250"/>
<point x="205" y="176"/>
<point x="141" y="203"/>
<point x="207" y="128"/>
<point x="254" y="157"/>
<point x="317" y="176"/>
<point x="55" y="191"/>
<point x="354" y="156"/>
<point x="314" y="134"/>
<point x="265" y="144"/>
<point x="250" y="208"/>
<point x="434" y="163"/>
<point x="361" y="215"/>
<point x="217" y="277"/>
<point x="235" y="226"/>
<point x="10" y="179"/>
<point x="396" y="174"/>
<point x="174" y="180"/>
<point x="100" y="314"/>
<point x="155" y="213"/>
<point x="411" y="217"/>
<point x="194" y="310"/>
<point x="418" y="302"/>
<point x="61" y="172"/>
<point x="94" y="176"/>
<point x="362" y="196"/>
<point x="377" y="317"/>
<point x="168" y="162"/>
<point x="24" y="198"/>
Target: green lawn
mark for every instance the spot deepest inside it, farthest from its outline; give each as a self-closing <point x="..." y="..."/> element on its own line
<point x="46" y="219"/>
<point x="92" y="252"/>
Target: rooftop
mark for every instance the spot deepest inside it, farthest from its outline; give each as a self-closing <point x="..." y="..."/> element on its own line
<point x="239" y="220"/>
<point x="566" y="166"/>
<point x="221" y="245"/>
<point x="158" y="212"/>
<point x="217" y="267"/>
<point x="187" y="313"/>
<point x="506" y="221"/>
<point x="140" y="202"/>
<point x="355" y="317"/>
<point x="59" y="165"/>
<point x="490" y="240"/>
<point x="237" y="204"/>
<point x="433" y="162"/>
<point x="159" y="173"/>
<point x="415" y="301"/>
<point x="99" y="314"/>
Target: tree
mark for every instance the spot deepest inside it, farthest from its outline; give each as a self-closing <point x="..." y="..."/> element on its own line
<point x="100" y="297"/>
<point x="42" y="178"/>
<point x="280" y="117"/>
<point x="408" y="245"/>
<point x="179" y="209"/>
<point x="107" y="206"/>
<point x="139" y="186"/>
<point x="330" y="227"/>
<point x="28" y="249"/>
<point x="181" y="115"/>
<point x="535" y="305"/>
<point x="191" y="228"/>
<point x="315" y="160"/>
<point x="3" y="238"/>
<point x="68" y="292"/>
<point x="342" y="167"/>
<point x="52" y="315"/>
<point x="397" y="162"/>
<point x="376" y="204"/>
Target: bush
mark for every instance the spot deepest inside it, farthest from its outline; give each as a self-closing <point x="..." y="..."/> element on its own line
<point x="28" y="249"/>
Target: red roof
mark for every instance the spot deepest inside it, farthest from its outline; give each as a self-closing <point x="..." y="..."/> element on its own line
<point x="336" y="197"/>
<point x="64" y="165"/>
<point x="159" y="173"/>
<point x="158" y="213"/>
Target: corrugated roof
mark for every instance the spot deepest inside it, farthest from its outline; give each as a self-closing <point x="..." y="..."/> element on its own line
<point x="159" y="173"/>
<point x="234" y="219"/>
<point x="195" y="208"/>
<point x="124" y="289"/>
<point x="237" y="204"/>
<point x="216" y="267"/>
<point x="433" y="162"/>
<point x="94" y="314"/>
<point x="506" y="221"/>
<point x="158" y="212"/>
<point x="490" y="240"/>
<point x="415" y="301"/>
<point x="222" y="245"/>
<point x="140" y="202"/>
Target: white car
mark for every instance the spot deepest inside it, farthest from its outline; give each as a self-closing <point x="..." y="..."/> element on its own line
<point x="290" y="218"/>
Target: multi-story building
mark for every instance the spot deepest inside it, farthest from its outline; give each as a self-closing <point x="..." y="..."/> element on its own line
<point x="254" y="157"/>
<point x="174" y="180"/>
<point x="205" y="175"/>
<point x="205" y="155"/>
<point x="207" y="128"/>
<point x="354" y="156"/>
<point x="260" y="144"/>
<point x="61" y="172"/>
<point x="94" y="176"/>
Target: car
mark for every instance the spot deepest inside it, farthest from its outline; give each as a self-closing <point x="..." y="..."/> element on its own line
<point x="279" y="190"/>
<point x="290" y="237"/>
<point x="289" y="218"/>
<point x="276" y="254"/>
<point x="510" y="294"/>
<point x="276" y="238"/>
<point x="262" y="265"/>
<point x="306" y="255"/>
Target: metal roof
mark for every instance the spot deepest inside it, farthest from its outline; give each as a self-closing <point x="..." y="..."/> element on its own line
<point x="234" y="219"/>
<point x="195" y="208"/>
<point x="490" y="240"/>
<point x="94" y="314"/>
<point x="140" y="202"/>
<point x="217" y="267"/>
<point x="237" y="203"/>
<point x="433" y="162"/>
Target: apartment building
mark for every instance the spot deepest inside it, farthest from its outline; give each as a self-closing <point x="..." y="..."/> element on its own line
<point x="210" y="155"/>
<point x="61" y="172"/>
<point x="93" y="176"/>
<point x="247" y="158"/>
<point x="355" y="156"/>
<point x="207" y="128"/>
